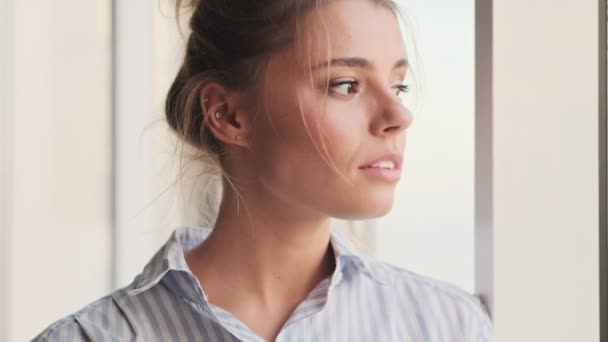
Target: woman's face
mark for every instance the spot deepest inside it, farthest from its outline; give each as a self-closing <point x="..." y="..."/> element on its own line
<point x="360" y="117"/>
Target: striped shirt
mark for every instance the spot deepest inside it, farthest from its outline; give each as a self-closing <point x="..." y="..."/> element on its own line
<point x="363" y="300"/>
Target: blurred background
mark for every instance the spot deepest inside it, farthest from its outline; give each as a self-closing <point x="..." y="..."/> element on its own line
<point x="89" y="167"/>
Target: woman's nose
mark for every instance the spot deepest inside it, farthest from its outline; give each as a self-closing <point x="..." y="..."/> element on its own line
<point x="392" y="116"/>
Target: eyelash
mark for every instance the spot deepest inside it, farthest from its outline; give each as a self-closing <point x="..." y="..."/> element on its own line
<point x="402" y="88"/>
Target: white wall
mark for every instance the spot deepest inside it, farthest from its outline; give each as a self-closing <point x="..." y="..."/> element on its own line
<point x="545" y="176"/>
<point x="431" y="227"/>
<point x="149" y="202"/>
<point x="58" y="233"/>
<point x="6" y="156"/>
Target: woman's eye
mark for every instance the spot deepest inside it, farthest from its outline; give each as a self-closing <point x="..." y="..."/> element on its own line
<point x="401" y="89"/>
<point x="344" y="88"/>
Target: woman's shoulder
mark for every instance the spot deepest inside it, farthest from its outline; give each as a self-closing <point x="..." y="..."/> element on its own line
<point x="433" y="297"/>
<point x="401" y="277"/>
<point x="101" y="320"/>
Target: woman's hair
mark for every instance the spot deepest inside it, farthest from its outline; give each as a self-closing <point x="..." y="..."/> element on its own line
<point x="229" y="43"/>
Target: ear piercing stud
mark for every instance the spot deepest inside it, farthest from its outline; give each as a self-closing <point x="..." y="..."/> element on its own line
<point x="218" y="115"/>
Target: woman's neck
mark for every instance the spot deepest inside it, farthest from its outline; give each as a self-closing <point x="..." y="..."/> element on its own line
<point x="269" y="259"/>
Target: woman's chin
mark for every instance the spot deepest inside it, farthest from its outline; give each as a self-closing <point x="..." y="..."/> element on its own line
<point x="369" y="209"/>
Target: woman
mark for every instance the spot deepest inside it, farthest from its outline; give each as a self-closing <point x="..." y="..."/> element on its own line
<point x="298" y="103"/>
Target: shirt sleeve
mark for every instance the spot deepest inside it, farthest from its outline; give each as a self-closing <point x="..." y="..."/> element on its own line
<point x="481" y="328"/>
<point x="67" y="329"/>
<point x="100" y="321"/>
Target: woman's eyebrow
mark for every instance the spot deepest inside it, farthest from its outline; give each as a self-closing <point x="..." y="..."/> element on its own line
<point x="356" y="62"/>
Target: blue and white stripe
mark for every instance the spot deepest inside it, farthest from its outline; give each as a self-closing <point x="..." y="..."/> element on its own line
<point x="364" y="300"/>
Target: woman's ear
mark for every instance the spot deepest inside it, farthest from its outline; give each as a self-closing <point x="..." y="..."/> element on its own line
<point x="223" y="114"/>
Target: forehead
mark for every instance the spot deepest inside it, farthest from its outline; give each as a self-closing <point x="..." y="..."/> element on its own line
<point x="354" y="28"/>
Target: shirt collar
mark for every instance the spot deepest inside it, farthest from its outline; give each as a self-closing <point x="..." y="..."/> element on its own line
<point x="347" y="256"/>
<point x="171" y="257"/>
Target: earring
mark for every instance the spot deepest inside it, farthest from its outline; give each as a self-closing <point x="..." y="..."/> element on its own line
<point x="238" y="137"/>
<point x="218" y="115"/>
<point x="205" y="99"/>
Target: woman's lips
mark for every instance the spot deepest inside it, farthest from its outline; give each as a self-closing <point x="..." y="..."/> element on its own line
<point x="396" y="158"/>
<point x="390" y="175"/>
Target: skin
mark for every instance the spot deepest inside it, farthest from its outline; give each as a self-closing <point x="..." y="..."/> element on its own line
<point x="270" y="244"/>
